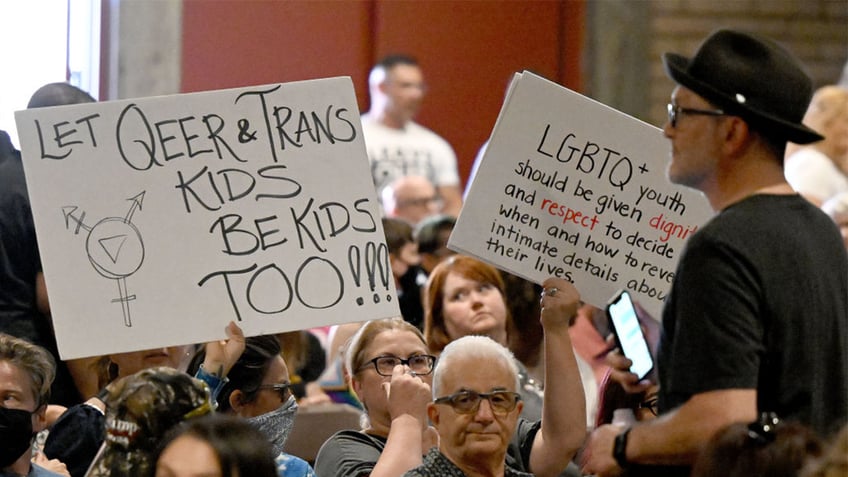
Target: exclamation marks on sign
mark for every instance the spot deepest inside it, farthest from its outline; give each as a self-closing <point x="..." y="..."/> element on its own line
<point x="376" y="262"/>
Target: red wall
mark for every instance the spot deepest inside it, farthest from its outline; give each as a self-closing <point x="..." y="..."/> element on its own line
<point x="467" y="49"/>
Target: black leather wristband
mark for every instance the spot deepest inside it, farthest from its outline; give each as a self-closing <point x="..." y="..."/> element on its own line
<point x="619" y="449"/>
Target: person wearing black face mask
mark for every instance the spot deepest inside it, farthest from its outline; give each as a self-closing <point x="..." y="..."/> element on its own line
<point x="26" y="373"/>
<point x="16" y="429"/>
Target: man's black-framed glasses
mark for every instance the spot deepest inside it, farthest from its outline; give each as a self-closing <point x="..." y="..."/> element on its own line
<point x="675" y="111"/>
<point x="468" y="402"/>
<point x="420" y="364"/>
<point x="280" y="388"/>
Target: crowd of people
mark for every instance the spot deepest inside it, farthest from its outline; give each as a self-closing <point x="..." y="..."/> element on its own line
<point x="485" y="373"/>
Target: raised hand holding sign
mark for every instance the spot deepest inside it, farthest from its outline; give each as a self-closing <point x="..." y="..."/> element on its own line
<point x="571" y="188"/>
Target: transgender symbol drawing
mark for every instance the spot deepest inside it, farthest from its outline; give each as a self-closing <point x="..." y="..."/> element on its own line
<point x="114" y="247"/>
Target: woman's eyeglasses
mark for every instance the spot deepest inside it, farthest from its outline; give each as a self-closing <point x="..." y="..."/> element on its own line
<point x="468" y="402"/>
<point x="281" y="388"/>
<point x="420" y="364"/>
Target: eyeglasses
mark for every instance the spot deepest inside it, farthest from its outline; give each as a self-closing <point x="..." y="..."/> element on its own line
<point x="762" y="431"/>
<point x="468" y="402"/>
<point x="651" y="405"/>
<point x="675" y="111"/>
<point x="420" y="202"/>
<point x="280" y="388"/>
<point x="420" y="364"/>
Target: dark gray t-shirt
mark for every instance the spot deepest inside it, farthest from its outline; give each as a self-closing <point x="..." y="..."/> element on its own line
<point x="760" y="301"/>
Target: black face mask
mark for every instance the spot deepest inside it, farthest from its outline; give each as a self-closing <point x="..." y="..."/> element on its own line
<point x="15" y="434"/>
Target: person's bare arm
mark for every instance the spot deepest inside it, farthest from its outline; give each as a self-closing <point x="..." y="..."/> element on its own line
<point x="674" y="438"/>
<point x="564" y="407"/>
<point x="408" y="397"/>
<point x="84" y="373"/>
<point x="54" y="411"/>
<point x="41" y="301"/>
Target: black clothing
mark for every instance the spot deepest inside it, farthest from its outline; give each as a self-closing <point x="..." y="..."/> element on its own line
<point x="409" y="296"/>
<point x="20" y="263"/>
<point x="760" y="301"/>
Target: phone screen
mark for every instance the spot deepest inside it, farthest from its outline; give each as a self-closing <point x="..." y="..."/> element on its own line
<point x="631" y="340"/>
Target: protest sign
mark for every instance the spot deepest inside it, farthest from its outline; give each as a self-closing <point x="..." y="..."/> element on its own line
<point x="571" y="188"/>
<point x="161" y="219"/>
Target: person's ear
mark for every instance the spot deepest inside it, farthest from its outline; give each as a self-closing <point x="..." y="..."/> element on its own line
<point x="39" y="419"/>
<point x="383" y="86"/>
<point x="737" y="135"/>
<point x="433" y="414"/>
<point x="356" y="386"/>
<point x="519" y="406"/>
<point x="237" y="401"/>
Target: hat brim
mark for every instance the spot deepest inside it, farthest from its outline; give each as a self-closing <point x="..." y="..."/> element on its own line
<point x="677" y="66"/>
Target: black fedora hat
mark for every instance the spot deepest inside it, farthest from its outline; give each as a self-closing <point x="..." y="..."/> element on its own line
<point x="751" y="77"/>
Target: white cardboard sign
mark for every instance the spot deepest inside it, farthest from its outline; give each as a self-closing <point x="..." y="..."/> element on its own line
<point x="569" y="187"/>
<point x="161" y="219"/>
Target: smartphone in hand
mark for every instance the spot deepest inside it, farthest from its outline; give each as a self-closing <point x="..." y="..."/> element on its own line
<point x="628" y="334"/>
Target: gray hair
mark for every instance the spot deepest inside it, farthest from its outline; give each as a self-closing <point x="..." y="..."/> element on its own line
<point x="477" y="347"/>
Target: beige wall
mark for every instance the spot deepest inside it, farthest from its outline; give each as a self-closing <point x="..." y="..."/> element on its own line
<point x="142" y="50"/>
<point x="816" y="31"/>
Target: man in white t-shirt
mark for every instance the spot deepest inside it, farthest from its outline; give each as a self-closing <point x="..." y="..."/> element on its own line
<point x="397" y="145"/>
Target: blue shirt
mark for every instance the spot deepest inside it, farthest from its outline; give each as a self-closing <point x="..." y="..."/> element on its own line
<point x="291" y="466"/>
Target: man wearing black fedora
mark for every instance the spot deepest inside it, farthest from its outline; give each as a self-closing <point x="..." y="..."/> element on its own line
<point x="757" y="317"/>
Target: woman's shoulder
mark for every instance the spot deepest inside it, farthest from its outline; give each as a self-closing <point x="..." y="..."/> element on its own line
<point x="356" y="436"/>
<point x="348" y="452"/>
